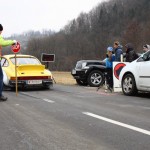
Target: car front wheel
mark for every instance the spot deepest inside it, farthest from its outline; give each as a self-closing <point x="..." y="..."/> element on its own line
<point x="95" y="78"/>
<point x="129" y="85"/>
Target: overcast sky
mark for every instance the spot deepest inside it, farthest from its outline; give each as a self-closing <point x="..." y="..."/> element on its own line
<point x="18" y="16"/>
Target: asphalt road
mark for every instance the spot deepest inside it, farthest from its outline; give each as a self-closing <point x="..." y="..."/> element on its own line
<point x="74" y="118"/>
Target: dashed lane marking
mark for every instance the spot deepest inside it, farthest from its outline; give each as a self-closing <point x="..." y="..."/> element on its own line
<point x="49" y="101"/>
<point x="118" y="123"/>
<point x="44" y="99"/>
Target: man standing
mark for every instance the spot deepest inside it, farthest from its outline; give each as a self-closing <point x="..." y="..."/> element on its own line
<point x="118" y="51"/>
<point x="131" y="55"/>
<point x="3" y="43"/>
<point x="109" y="66"/>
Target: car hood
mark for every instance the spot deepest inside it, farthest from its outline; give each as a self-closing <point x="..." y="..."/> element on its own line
<point x="92" y="62"/>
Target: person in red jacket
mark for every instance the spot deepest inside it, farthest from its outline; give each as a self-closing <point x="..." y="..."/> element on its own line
<point x="3" y="43"/>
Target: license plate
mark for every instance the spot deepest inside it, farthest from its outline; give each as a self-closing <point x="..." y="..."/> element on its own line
<point x="73" y="71"/>
<point x="34" y="82"/>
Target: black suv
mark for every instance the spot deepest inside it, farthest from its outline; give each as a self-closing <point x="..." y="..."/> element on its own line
<point x="89" y="72"/>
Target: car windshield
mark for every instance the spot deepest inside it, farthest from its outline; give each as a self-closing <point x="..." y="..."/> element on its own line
<point x="25" y="60"/>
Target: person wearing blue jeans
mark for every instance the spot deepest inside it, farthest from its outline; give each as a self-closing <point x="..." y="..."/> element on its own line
<point x="3" y="43"/>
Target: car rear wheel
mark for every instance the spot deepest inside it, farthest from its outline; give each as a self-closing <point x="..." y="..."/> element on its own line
<point x="128" y="85"/>
<point x="81" y="82"/>
<point x="95" y="78"/>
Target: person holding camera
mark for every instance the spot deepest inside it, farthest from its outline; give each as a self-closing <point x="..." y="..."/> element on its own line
<point x="109" y="66"/>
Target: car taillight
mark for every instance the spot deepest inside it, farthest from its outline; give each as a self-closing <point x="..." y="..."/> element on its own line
<point x="13" y="78"/>
<point x="31" y="78"/>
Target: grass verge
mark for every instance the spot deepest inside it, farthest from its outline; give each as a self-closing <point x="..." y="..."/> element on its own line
<point x="63" y="78"/>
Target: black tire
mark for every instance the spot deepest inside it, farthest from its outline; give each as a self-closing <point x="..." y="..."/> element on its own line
<point x="95" y="78"/>
<point x="129" y="85"/>
<point x="81" y="82"/>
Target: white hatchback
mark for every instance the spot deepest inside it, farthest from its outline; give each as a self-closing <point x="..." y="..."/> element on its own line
<point x="135" y="76"/>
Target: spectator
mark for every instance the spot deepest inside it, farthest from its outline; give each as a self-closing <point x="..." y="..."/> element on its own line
<point x="118" y="51"/>
<point x="146" y="48"/>
<point x="2" y="44"/>
<point x="130" y="53"/>
<point x="109" y="66"/>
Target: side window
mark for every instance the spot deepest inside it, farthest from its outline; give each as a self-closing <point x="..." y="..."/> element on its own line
<point x="4" y="62"/>
<point x="145" y="57"/>
<point x="140" y="59"/>
<point x="149" y="56"/>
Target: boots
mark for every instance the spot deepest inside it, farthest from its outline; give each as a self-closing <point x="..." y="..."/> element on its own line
<point x="3" y="98"/>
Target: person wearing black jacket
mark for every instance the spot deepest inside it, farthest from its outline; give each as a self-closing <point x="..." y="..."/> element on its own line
<point x="130" y="53"/>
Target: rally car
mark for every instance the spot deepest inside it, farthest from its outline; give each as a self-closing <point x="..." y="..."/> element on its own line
<point x="135" y="76"/>
<point x="30" y="72"/>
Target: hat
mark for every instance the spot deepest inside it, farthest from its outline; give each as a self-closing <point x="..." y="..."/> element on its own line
<point x="110" y="49"/>
<point x="129" y="46"/>
<point x="1" y="27"/>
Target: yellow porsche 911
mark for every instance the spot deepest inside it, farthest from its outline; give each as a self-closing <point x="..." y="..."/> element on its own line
<point x="30" y="72"/>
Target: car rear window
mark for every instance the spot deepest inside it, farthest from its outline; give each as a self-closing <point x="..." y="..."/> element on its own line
<point x="24" y="61"/>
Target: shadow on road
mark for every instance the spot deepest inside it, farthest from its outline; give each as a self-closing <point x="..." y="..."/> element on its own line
<point x="143" y="95"/>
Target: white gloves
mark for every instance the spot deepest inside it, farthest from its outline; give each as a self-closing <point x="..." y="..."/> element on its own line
<point x="15" y="42"/>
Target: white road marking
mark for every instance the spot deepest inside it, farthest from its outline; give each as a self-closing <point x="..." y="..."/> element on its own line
<point x="49" y="101"/>
<point x="118" y="123"/>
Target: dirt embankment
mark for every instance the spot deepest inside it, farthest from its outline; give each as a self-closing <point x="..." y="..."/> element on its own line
<point x="63" y="78"/>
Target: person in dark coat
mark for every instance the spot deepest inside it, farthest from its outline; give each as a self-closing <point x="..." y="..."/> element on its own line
<point x="130" y="53"/>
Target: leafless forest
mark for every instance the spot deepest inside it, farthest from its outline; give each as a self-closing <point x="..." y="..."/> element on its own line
<point x="88" y="36"/>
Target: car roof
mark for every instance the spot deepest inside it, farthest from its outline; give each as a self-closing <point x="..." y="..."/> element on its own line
<point x="18" y="55"/>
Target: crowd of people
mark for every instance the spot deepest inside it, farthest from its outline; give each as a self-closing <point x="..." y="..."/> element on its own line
<point x="114" y="54"/>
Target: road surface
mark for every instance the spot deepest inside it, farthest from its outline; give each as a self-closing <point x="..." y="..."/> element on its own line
<point x="74" y="118"/>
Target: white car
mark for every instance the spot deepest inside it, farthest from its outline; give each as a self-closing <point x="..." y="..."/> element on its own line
<point x="135" y="76"/>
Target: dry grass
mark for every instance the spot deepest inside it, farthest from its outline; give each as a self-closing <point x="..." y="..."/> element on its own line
<point x="64" y="78"/>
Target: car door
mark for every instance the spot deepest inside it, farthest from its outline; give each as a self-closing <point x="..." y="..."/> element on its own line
<point x="144" y="72"/>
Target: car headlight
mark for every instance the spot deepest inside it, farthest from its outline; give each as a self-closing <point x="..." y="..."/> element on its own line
<point x="84" y="66"/>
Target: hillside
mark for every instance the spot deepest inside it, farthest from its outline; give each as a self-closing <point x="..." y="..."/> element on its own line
<point x="88" y="35"/>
